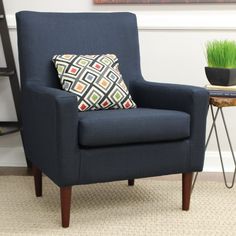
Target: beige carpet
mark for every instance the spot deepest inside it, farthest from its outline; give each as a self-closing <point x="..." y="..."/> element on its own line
<point x="149" y="208"/>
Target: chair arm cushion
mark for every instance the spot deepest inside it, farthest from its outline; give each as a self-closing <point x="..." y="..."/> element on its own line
<point x="50" y="120"/>
<point x="170" y="96"/>
<point x="189" y="99"/>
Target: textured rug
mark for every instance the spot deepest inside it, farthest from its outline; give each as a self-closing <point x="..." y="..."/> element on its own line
<point x="149" y="208"/>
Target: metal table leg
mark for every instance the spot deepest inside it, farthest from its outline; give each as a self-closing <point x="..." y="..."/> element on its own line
<point x="214" y="118"/>
<point x="232" y="152"/>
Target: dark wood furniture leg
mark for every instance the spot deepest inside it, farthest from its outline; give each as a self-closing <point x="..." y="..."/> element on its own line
<point x="186" y="190"/>
<point x="131" y="182"/>
<point x="65" y="205"/>
<point x="37" y="181"/>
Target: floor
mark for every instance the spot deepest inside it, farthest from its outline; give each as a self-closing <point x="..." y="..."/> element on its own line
<point x="150" y="208"/>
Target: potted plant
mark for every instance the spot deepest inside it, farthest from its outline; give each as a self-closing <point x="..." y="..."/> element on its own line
<point x="221" y="59"/>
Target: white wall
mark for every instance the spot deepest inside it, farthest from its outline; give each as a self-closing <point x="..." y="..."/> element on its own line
<point x="172" y="39"/>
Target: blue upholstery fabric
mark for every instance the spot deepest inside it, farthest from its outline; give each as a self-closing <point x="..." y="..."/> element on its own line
<point x="141" y="125"/>
<point x="51" y="131"/>
<point x="43" y="35"/>
<point x="189" y="99"/>
<point x="133" y="161"/>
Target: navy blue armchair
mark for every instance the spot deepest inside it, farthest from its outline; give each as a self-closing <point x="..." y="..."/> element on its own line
<point x="164" y="135"/>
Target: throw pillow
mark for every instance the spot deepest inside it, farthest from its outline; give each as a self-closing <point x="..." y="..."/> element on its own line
<point x="95" y="79"/>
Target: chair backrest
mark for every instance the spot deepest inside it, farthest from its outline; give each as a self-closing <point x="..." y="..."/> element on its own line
<point x="42" y="35"/>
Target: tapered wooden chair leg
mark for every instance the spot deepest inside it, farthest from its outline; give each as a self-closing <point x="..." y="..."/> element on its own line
<point x="186" y="190"/>
<point x="131" y="182"/>
<point x="37" y="181"/>
<point x="65" y="205"/>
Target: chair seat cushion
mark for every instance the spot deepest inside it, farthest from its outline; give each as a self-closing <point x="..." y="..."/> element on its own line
<point x="141" y="125"/>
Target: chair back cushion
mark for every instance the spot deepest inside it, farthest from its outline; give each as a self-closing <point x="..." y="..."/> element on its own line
<point x="43" y="35"/>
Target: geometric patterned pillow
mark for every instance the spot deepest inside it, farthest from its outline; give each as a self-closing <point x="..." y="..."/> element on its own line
<point x="95" y="79"/>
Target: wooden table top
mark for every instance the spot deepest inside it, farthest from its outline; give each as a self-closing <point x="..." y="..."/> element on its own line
<point x="222" y="101"/>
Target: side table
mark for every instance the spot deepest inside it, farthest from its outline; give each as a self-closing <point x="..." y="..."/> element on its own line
<point x="220" y="103"/>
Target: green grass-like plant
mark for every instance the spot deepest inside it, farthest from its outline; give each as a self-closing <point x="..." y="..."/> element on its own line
<point x="221" y="54"/>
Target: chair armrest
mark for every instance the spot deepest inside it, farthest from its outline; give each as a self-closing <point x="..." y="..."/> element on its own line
<point x="50" y="120"/>
<point x="169" y="96"/>
<point x="189" y="99"/>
